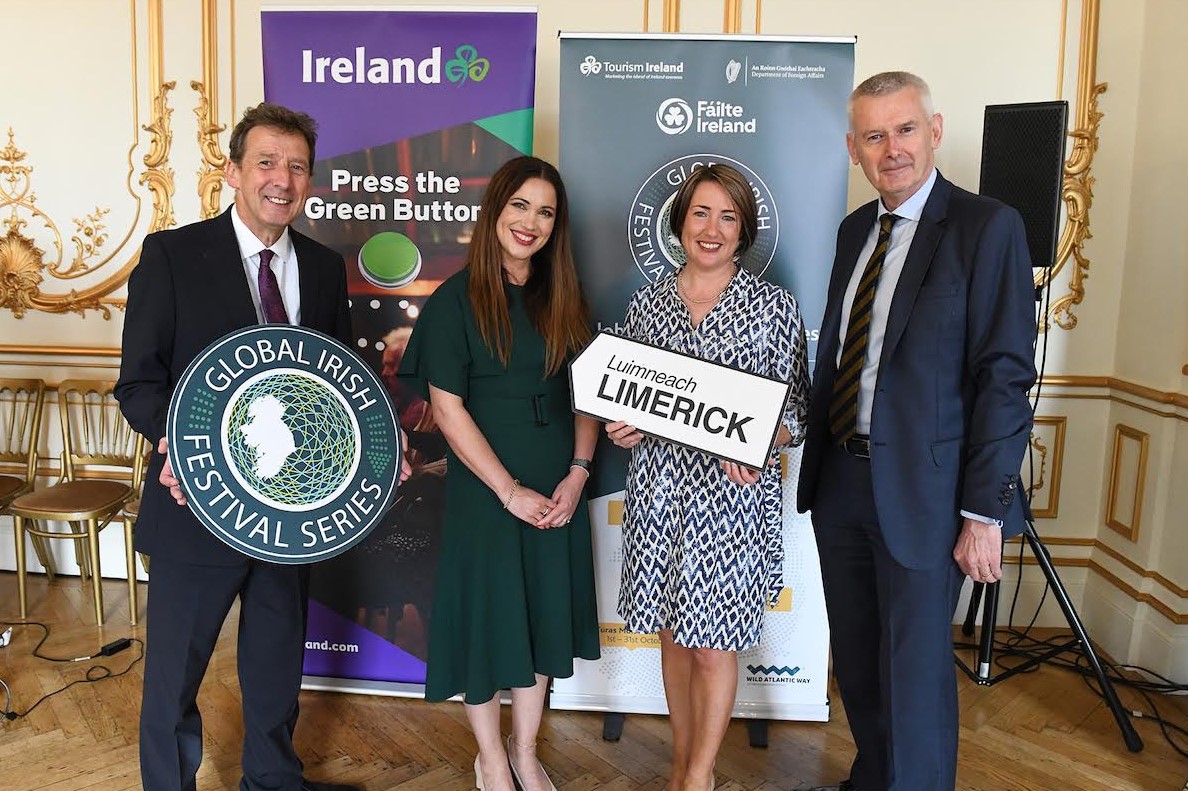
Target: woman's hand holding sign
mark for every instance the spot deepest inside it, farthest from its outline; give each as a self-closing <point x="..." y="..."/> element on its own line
<point x="623" y="434"/>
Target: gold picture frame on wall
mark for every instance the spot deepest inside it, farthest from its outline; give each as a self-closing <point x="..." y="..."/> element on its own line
<point x="1045" y="464"/>
<point x="1124" y="435"/>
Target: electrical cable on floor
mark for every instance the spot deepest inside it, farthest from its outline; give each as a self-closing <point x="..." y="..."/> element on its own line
<point x="1020" y="645"/>
<point x="93" y="673"/>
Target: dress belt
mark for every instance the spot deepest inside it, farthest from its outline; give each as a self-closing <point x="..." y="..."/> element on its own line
<point x="858" y="445"/>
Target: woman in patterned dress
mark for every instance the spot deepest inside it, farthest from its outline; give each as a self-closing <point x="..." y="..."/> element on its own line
<point x="513" y="601"/>
<point x="702" y="537"/>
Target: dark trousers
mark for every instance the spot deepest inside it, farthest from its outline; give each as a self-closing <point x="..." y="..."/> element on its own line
<point x="891" y="637"/>
<point x="187" y="605"/>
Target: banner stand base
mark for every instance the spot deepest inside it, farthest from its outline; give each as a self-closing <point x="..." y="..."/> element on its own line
<point x="612" y="729"/>
<point x="612" y="725"/>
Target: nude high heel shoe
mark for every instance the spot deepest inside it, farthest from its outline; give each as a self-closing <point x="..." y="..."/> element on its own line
<point x="478" y="775"/>
<point x="516" y="775"/>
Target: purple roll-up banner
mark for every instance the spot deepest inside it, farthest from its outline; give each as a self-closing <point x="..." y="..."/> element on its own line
<point x="416" y="109"/>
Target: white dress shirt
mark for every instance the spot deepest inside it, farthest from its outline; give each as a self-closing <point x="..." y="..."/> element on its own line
<point x="284" y="266"/>
<point x="902" y="234"/>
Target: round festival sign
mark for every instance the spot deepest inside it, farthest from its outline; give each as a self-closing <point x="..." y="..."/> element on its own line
<point x="285" y="443"/>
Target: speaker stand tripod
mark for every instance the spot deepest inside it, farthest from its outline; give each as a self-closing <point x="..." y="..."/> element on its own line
<point x="1079" y="641"/>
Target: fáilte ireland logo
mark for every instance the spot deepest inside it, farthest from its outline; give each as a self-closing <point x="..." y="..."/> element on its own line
<point x="285" y="443"/>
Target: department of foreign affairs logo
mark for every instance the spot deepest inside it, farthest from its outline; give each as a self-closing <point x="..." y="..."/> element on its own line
<point x="733" y="67"/>
<point x="590" y="65"/>
<point x="674" y="116"/>
<point x="285" y="443"/>
<point x="657" y="251"/>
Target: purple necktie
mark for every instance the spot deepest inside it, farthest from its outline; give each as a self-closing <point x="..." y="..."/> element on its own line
<point x="270" y="296"/>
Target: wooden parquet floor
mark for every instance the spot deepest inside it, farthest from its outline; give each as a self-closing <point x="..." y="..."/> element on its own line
<point x="1036" y="732"/>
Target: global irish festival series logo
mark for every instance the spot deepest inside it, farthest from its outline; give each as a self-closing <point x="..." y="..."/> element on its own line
<point x="657" y="251"/>
<point x="285" y="443"/>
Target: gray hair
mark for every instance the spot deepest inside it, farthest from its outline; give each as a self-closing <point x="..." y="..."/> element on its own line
<point x="888" y="82"/>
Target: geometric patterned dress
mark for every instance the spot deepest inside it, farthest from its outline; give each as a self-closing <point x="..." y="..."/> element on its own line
<point x="703" y="556"/>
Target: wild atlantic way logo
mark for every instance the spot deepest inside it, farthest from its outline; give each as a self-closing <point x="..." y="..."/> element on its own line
<point x="285" y="443"/>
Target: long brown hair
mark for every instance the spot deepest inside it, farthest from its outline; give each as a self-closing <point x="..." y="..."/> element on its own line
<point x="552" y="295"/>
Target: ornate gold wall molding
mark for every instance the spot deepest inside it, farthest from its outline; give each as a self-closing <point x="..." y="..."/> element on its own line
<point x="1051" y="464"/>
<point x="1124" y="435"/>
<point x="67" y="351"/>
<point x="1077" y="190"/>
<point x="1118" y="389"/>
<point x="24" y="267"/>
<point x="1145" y="597"/>
<point x="1092" y="564"/>
<point x="210" y="175"/>
<point x="672" y="16"/>
<point x="732" y="16"/>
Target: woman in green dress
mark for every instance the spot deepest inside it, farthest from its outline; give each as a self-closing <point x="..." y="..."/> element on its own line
<point x="514" y="598"/>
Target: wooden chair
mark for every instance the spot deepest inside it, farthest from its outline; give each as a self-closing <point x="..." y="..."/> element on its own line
<point x="132" y="507"/>
<point x="21" y="404"/>
<point x="96" y="441"/>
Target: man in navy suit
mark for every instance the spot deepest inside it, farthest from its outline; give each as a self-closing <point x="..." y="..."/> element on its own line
<point x="192" y="286"/>
<point x="918" y="421"/>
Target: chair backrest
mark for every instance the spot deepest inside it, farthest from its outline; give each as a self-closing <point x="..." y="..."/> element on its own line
<point x="94" y="431"/>
<point x="21" y="402"/>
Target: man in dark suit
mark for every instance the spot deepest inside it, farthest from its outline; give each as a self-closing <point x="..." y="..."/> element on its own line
<point x="918" y="422"/>
<point x="193" y="285"/>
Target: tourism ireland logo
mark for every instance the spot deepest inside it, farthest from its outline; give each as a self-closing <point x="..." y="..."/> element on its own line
<point x="285" y="443"/>
<point x="466" y="65"/>
<point x="590" y="65"/>
<point x="674" y="116"/>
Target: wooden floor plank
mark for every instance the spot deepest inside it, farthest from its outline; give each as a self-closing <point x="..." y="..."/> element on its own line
<point x="1042" y="731"/>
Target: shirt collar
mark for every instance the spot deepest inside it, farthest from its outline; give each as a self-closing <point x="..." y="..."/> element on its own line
<point x="912" y="208"/>
<point x="250" y="246"/>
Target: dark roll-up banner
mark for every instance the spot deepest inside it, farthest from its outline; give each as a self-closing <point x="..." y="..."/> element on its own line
<point x="416" y="109"/>
<point x="638" y="115"/>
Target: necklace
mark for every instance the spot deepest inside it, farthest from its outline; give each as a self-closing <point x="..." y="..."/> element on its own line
<point x="683" y="293"/>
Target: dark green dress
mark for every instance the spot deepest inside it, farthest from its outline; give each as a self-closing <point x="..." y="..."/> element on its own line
<point x="509" y="600"/>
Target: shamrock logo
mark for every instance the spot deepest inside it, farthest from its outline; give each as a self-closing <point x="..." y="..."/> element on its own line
<point x="466" y="64"/>
<point x="674" y="116"/>
<point x="590" y="65"/>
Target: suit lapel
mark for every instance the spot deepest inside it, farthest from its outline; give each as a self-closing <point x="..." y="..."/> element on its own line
<point x="225" y="264"/>
<point x="307" y="279"/>
<point x="849" y="247"/>
<point x="915" y="266"/>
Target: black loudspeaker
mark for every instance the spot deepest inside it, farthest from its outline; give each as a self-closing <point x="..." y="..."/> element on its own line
<point x="1023" y="166"/>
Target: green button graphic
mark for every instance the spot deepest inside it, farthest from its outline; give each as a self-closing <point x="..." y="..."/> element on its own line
<point x="390" y="260"/>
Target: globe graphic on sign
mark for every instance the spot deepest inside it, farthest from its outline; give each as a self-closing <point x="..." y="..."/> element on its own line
<point x="291" y="439"/>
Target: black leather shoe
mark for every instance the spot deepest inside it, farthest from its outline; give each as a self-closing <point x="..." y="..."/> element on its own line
<point x="844" y="785"/>
<point x="313" y="785"/>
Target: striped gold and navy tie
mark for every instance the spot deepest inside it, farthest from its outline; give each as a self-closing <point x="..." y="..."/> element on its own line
<point x="843" y="406"/>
